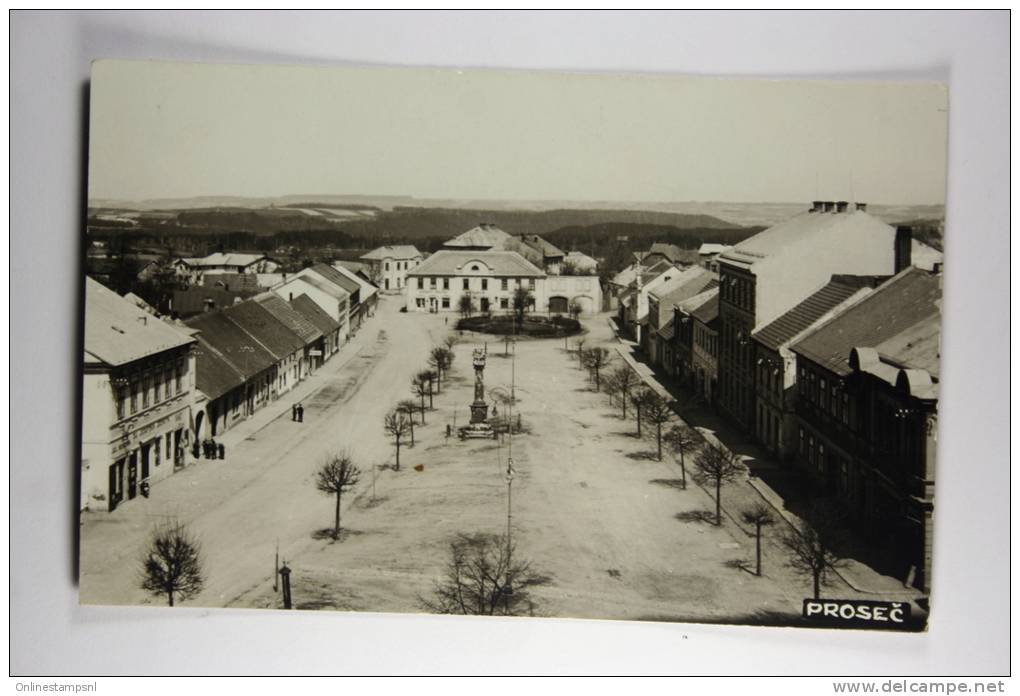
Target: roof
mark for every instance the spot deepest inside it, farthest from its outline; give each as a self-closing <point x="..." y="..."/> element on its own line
<point x="782" y="238"/>
<point x="917" y="347"/>
<point x="708" y="311"/>
<point x="293" y="320"/>
<point x="214" y="375"/>
<point x="257" y="321"/>
<point x="193" y="300"/>
<point x="910" y="297"/>
<point x="140" y="303"/>
<point x="787" y="326"/>
<point x="670" y="251"/>
<point x="485" y="235"/>
<point x="222" y="259"/>
<point x="318" y="282"/>
<point x="232" y="281"/>
<point x="118" y="332"/>
<point x="690" y="283"/>
<point x="337" y="278"/>
<point x="625" y="277"/>
<point x="542" y="246"/>
<point x="581" y="259"/>
<point x="497" y="263"/>
<point x="306" y="306"/>
<point x="666" y="332"/>
<point x="354" y="266"/>
<point x="244" y="353"/>
<point x="680" y="280"/>
<point x="656" y="270"/>
<point x="397" y="251"/>
<point x="367" y="288"/>
<point x="707" y="249"/>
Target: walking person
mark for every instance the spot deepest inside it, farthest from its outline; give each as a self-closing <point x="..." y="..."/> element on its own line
<point x="300" y="413"/>
<point x="293" y="412"/>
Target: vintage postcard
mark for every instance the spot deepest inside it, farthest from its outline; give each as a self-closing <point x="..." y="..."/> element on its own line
<point x="506" y="343"/>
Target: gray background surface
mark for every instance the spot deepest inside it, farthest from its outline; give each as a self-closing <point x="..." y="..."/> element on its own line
<point x="50" y="54"/>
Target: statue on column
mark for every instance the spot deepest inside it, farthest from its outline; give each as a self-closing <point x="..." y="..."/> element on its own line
<point x="479" y="426"/>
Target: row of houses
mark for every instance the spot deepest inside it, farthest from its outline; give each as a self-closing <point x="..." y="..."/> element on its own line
<point x="818" y="338"/>
<point x="154" y="387"/>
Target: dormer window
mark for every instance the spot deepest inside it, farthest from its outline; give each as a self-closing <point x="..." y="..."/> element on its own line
<point x="474" y="267"/>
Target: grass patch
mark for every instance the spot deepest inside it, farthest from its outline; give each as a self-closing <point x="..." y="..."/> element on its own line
<point x="533" y="326"/>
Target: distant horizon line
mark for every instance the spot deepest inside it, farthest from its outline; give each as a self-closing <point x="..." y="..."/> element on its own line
<point x="311" y="198"/>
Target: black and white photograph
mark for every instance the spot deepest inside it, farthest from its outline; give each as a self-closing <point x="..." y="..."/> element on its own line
<point x="561" y="379"/>
<point x="450" y="365"/>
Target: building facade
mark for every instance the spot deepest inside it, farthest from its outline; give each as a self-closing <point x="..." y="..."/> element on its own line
<point x="764" y="276"/>
<point x="388" y="265"/>
<point x="867" y="396"/>
<point x="137" y="398"/>
<point x="488" y="278"/>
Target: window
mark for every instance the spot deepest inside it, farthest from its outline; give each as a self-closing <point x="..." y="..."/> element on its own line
<point x="421" y="283"/>
<point x="821" y="457"/>
<point x="504" y="303"/>
<point x="167" y="389"/>
<point x="420" y="302"/>
<point x="121" y="401"/>
<point x="467" y="283"/>
<point x="178" y="375"/>
<point x="531" y="283"/>
<point x="485" y="283"/>
<point x="844" y="476"/>
<point x="823" y="396"/>
<point x="386" y="266"/>
<point x="168" y="446"/>
<point x="834" y="403"/>
<point x="158" y="385"/>
<point x="145" y="392"/>
<point x="846" y="408"/>
<point x="446" y="303"/>
<point x="800" y="446"/>
<point x="446" y="283"/>
<point x="432" y="282"/>
<point x="811" y="449"/>
<point x="474" y="267"/>
<point x="504" y="284"/>
<point x="134" y="397"/>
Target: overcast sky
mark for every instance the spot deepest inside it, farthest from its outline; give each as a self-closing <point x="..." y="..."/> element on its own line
<point x="168" y="130"/>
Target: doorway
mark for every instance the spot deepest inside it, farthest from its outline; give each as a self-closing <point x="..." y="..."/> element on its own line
<point x="132" y="482"/>
<point x="116" y="483"/>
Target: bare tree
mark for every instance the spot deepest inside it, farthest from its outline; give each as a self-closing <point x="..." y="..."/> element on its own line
<point x="716" y="464"/>
<point x="408" y="407"/>
<point x="682" y="440"/>
<point x="658" y="412"/>
<point x="575" y="309"/>
<point x="625" y="381"/>
<point x="484" y="576"/>
<point x="814" y="545"/>
<point x="172" y="563"/>
<point x="337" y="475"/>
<point x="597" y="359"/>
<point x="638" y="398"/>
<point x="450" y="342"/>
<point x="507" y="340"/>
<point x="438" y="360"/>
<point x="580" y="350"/>
<point x="760" y="515"/>
<point x="421" y="386"/>
<point x="397" y="425"/>
<point x="523" y="300"/>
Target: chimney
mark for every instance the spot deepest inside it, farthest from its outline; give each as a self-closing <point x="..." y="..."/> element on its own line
<point x="841" y="206"/>
<point x="901" y="248"/>
<point x="816" y="207"/>
<point x="828" y="206"/>
<point x="863" y="207"/>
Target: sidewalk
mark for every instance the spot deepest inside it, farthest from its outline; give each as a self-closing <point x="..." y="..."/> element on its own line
<point x="714" y="429"/>
<point x="281" y="406"/>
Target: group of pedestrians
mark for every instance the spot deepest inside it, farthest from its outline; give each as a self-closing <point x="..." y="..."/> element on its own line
<point x="297" y="413"/>
<point x="210" y="449"/>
